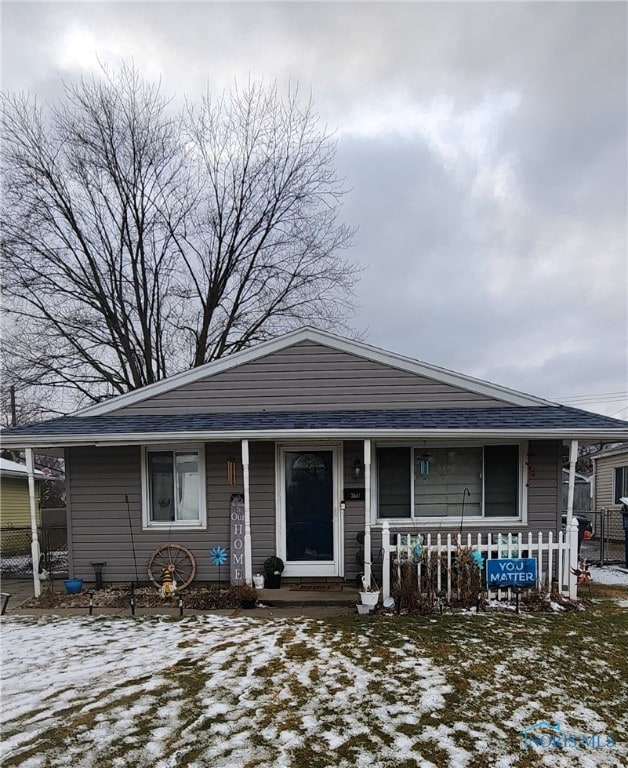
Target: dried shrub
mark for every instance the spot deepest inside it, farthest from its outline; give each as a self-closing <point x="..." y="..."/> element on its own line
<point x="416" y="589"/>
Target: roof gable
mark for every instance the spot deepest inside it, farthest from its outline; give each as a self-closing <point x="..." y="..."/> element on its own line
<point x="412" y="374"/>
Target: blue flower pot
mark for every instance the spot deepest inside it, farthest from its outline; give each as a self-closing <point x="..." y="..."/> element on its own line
<point x="73" y="586"/>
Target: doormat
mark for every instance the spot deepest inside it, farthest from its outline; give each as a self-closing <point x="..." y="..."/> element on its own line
<point x="316" y="587"/>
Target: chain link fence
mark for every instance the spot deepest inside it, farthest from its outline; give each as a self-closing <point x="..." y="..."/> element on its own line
<point x="607" y="544"/>
<point x="15" y="552"/>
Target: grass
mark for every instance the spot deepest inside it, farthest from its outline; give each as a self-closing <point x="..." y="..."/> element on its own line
<point x="451" y="690"/>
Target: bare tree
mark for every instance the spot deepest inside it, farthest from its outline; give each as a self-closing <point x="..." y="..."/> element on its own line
<point x="139" y="241"/>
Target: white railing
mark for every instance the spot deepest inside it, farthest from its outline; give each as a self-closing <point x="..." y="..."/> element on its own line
<point x="559" y="558"/>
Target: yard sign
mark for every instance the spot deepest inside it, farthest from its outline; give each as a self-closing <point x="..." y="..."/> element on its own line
<point x="511" y="572"/>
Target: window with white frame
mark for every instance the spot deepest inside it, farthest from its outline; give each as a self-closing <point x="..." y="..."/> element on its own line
<point x="621" y="483"/>
<point x="174" y="487"/>
<point x="435" y="482"/>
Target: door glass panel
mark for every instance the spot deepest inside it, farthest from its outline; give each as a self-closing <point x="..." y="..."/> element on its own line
<point x="309" y="505"/>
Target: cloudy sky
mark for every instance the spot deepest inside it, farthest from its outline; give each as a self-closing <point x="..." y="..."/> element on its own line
<point x="485" y="145"/>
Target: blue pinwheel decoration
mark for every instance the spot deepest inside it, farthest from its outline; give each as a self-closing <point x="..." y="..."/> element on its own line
<point x="417" y="552"/>
<point x="218" y="556"/>
<point x="477" y="558"/>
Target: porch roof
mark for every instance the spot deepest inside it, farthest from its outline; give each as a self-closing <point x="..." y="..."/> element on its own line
<point x="534" y="422"/>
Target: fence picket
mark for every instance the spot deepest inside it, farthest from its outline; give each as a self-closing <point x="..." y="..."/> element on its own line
<point x="439" y="554"/>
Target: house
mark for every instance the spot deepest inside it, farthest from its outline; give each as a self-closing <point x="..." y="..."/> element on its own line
<point x="610" y="484"/>
<point x="14" y="499"/>
<point x="323" y="438"/>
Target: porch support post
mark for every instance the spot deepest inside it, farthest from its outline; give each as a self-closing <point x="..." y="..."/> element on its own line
<point x="35" y="550"/>
<point x="248" y="562"/>
<point x="573" y="457"/>
<point x="386" y="560"/>
<point x="367" y="512"/>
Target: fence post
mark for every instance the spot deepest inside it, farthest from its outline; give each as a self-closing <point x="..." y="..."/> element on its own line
<point x="386" y="560"/>
<point x="573" y="559"/>
<point x="602" y="534"/>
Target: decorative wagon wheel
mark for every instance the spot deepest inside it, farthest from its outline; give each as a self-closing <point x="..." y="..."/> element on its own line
<point x="175" y="555"/>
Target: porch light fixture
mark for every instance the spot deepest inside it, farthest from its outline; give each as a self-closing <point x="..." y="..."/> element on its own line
<point x="358" y="469"/>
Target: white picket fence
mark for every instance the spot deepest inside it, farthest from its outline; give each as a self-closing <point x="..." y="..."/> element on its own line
<point x="556" y="560"/>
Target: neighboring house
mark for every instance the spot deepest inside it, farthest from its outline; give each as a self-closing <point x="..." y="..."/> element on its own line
<point x="14" y="499"/>
<point x="323" y="438"/>
<point x="610" y="484"/>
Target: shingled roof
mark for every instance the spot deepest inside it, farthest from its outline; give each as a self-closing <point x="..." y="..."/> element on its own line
<point x="548" y="421"/>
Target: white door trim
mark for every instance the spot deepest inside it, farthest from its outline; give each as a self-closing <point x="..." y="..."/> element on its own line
<point x="305" y="568"/>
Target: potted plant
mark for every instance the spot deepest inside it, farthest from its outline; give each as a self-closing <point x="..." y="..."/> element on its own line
<point x="369" y="594"/>
<point x="247" y="596"/>
<point x="73" y="586"/>
<point x="273" y="568"/>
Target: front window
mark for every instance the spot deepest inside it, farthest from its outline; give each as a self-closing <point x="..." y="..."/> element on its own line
<point x="443" y="478"/>
<point x="621" y="483"/>
<point x="173" y="488"/>
<point x="448" y="482"/>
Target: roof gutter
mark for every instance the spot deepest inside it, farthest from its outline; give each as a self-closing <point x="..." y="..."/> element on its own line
<point x="145" y="438"/>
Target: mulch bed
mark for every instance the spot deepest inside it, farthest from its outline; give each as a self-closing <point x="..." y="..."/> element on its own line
<point x="201" y="598"/>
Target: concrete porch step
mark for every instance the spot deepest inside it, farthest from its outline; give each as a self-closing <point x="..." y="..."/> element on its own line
<point x="286" y="597"/>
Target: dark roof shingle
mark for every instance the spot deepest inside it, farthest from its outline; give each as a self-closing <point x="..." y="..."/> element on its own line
<point x="498" y="419"/>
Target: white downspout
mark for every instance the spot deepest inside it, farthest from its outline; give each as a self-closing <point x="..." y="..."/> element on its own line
<point x="35" y="550"/>
<point x="248" y="561"/>
<point x="367" y="512"/>
<point x="573" y="457"/>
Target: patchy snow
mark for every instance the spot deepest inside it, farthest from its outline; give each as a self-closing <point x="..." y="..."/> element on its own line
<point x="222" y="691"/>
<point x="609" y="574"/>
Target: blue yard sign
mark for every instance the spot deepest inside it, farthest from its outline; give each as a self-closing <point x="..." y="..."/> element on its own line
<point x="511" y="572"/>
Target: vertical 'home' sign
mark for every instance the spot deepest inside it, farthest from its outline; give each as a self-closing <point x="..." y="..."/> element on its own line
<point x="236" y="550"/>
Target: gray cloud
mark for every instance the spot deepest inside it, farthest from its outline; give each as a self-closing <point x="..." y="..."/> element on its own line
<point x="485" y="144"/>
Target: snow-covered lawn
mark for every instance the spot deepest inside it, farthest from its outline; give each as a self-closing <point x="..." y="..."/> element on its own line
<point x="609" y="575"/>
<point x="212" y="691"/>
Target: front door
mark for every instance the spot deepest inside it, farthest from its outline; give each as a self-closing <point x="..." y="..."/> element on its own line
<point x="309" y="520"/>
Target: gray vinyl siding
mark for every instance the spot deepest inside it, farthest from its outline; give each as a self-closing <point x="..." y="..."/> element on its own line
<point x="309" y="377"/>
<point x="545" y="489"/>
<point x="98" y="480"/>
<point x="262" y="490"/>
<point x="354" y="510"/>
